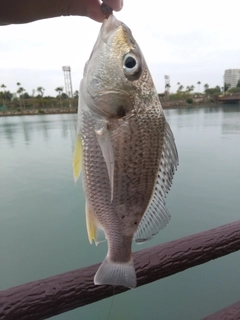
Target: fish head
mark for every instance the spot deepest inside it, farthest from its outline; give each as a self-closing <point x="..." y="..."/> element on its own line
<point x="114" y="73"/>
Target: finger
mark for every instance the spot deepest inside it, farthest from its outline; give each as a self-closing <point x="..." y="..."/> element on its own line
<point x="88" y="8"/>
<point x="95" y="14"/>
<point x="93" y="9"/>
<point x="116" y="5"/>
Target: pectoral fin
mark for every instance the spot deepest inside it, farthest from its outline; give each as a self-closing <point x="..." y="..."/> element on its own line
<point x="105" y="143"/>
<point x="77" y="159"/>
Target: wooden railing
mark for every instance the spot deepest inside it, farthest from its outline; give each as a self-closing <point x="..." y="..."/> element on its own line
<point x="48" y="297"/>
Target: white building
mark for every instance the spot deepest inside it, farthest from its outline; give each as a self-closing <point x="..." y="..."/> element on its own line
<point x="231" y="76"/>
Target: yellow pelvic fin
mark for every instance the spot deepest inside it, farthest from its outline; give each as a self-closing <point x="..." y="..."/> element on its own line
<point x="77" y="159"/>
<point x="91" y="224"/>
<point x="94" y="229"/>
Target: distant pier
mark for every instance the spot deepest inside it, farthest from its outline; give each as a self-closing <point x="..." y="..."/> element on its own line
<point x="230" y="98"/>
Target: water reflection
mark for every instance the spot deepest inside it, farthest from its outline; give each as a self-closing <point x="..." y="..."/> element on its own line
<point x="231" y="108"/>
<point x="7" y="131"/>
<point x="231" y="127"/>
<point x="30" y="126"/>
<point x="25" y="130"/>
<point x="231" y="119"/>
<point x="42" y="211"/>
<point x="225" y="116"/>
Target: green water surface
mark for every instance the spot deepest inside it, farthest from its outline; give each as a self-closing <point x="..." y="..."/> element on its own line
<point x="42" y="216"/>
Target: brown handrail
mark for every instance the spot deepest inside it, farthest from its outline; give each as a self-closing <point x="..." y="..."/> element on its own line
<point x="230" y="313"/>
<point x="48" y="297"/>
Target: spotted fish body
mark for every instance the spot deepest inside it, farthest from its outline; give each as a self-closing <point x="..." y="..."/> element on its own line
<point x="126" y="148"/>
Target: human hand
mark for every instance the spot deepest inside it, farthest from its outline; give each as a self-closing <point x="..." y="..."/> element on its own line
<point x="24" y="11"/>
<point x="94" y="10"/>
<point x="116" y="5"/>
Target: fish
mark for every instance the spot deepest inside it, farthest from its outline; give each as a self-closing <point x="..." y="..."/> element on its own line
<point x="125" y="150"/>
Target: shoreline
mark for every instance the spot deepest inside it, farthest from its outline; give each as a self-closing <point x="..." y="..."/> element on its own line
<point x="37" y="112"/>
<point x="165" y="106"/>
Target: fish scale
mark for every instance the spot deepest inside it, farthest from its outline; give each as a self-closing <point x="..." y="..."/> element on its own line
<point x="131" y="181"/>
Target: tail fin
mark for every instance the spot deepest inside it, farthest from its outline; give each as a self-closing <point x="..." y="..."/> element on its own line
<point x="116" y="273"/>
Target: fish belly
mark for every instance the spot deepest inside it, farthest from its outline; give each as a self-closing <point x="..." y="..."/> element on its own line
<point x="137" y="146"/>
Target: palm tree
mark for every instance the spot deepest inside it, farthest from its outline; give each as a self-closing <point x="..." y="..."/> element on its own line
<point x="59" y="90"/>
<point x="226" y="86"/>
<point x="20" y="90"/>
<point x="20" y="93"/>
<point x="4" y="92"/>
<point x="191" y="88"/>
<point x="198" y="83"/>
<point x="40" y="90"/>
<point x="76" y="94"/>
<point x="206" y="86"/>
<point x="167" y="87"/>
<point x="18" y="84"/>
<point x="180" y="87"/>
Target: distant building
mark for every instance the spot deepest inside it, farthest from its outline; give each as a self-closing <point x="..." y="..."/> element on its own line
<point x="231" y="76"/>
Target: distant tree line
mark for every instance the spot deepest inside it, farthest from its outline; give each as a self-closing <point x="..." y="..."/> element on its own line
<point x="22" y="100"/>
<point x="190" y="95"/>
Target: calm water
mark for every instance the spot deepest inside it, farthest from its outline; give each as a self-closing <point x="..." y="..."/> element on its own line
<point x="42" y="219"/>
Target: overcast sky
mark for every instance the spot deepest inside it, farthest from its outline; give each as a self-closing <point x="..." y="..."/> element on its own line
<point x="190" y="41"/>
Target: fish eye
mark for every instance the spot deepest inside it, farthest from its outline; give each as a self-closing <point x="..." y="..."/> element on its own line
<point x="130" y="62"/>
<point x="132" y="66"/>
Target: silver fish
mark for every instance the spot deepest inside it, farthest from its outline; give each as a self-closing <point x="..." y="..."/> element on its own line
<point x="126" y="150"/>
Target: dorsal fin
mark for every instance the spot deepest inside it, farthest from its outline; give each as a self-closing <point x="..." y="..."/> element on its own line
<point x="157" y="216"/>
